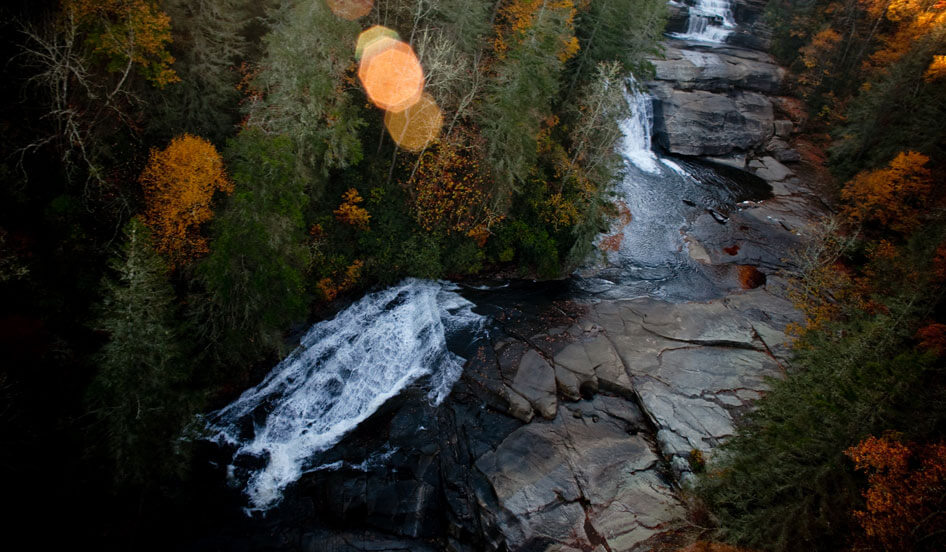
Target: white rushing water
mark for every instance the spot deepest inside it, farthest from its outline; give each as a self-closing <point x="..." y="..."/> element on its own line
<point x="710" y="21"/>
<point x="343" y="371"/>
<point x="636" y="144"/>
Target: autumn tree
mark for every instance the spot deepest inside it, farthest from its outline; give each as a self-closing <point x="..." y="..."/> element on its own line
<point x="254" y="274"/>
<point x="534" y="39"/>
<point x="179" y="183"/>
<point x="84" y="63"/>
<point x="905" y="499"/>
<point x="890" y="197"/>
<point x="139" y="394"/>
<point x="127" y="33"/>
<point x="449" y="190"/>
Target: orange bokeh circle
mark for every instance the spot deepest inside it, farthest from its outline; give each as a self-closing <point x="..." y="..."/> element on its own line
<point x="391" y="74"/>
<point x="371" y="37"/>
<point x="418" y="125"/>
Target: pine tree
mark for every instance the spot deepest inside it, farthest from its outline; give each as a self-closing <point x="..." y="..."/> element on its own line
<point x="138" y="393"/>
<point x="254" y="274"/>
<point x="305" y="87"/>
<point x="209" y="46"/>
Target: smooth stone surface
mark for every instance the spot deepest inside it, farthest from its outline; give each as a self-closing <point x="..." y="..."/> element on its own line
<point x="535" y="381"/>
<point x="585" y="477"/>
<point x="705" y="123"/>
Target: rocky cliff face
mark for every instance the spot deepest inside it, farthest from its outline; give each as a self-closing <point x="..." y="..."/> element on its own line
<point x="716" y="101"/>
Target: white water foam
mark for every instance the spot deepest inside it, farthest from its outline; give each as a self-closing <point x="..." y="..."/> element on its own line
<point x="709" y="21"/>
<point x="341" y="373"/>
<point x="636" y="145"/>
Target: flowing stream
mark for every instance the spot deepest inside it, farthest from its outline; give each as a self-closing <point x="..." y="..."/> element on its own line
<point x="419" y="334"/>
<point x="709" y="21"/>
<point x="343" y="370"/>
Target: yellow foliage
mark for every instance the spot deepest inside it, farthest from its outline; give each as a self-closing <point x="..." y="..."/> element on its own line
<point x="449" y="191"/>
<point x="128" y="31"/>
<point x="516" y="18"/>
<point x="889" y="196"/>
<point x="936" y="70"/>
<point x="351" y="213"/>
<point x="179" y="183"/>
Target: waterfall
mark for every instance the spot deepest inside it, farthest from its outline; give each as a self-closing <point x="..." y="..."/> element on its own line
<point x="709" y="21"/>
<point x="636" y="146"/>
<point x="341" y="373"/>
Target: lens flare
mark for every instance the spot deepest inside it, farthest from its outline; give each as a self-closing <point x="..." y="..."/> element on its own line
<point x="416" y="126"/>
<point x="350" y="9"/>
<point x="391" y="74"/>
<point x="373" y="36"/>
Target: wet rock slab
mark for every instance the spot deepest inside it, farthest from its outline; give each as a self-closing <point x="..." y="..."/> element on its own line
<point x="588" y="477"/>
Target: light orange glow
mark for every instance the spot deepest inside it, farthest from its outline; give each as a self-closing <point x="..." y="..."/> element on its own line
<point x="391" y="74"/>
<point x="371" y="37"/>
<point x="416" y="126"/>
<point x="350" y="9"/>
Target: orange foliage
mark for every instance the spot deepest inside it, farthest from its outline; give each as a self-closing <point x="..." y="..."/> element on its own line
<point x="936" y="70"/>
<point x="905" y="494"/>
<point x="330" y="288"/>
<point x="179" y="183"/>
<point x="351" y="213"/>
<point x="912" y="20"/>
<point x="449" y="190"/>
<point x="890" y="196"/>
<point x="518" y="16"/>
<point x="128" y="31"/>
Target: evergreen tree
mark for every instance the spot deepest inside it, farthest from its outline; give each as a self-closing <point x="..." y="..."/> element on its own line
<point x="535" y="41"/>
<point x="304" y="88"/>
<point x="138" y="394"/>
<point x="628" y="31"/>
<point x="208" y="47"/>
<point x="254" y="274"/>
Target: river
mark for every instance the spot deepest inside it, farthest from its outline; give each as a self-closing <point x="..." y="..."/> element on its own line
<point x="372" y="391"/>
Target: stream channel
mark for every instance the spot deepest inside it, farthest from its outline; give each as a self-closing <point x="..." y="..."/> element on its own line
<point x="389" y="427"/>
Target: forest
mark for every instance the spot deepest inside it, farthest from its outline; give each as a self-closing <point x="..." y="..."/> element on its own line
<point x="186" y="185"/>
<point x="847" y="452"/>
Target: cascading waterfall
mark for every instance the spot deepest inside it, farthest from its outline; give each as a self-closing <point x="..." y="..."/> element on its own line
<point x="636" y="145"/>
<point x="709" y="21"/>
<point x="341" y="373"/>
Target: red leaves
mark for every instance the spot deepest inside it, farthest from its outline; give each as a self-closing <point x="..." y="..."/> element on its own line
<point x="906" y="489"/>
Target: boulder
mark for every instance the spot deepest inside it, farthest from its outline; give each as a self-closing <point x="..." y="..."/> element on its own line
<point x="704" y="123"/>
<point x="587" y="478"/>
<point x="699" y="69"/>
<point x="784" y="128"/>
<point x="773" y="171"/>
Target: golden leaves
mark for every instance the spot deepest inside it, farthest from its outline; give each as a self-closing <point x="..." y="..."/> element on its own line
<point x="128" y="31"/>
<point x="349" y="212"/>
<point x="889" y="196"/>
<point x="179" y="183"/>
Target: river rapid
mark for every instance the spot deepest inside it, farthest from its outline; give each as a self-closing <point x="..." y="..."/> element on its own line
<point x="375" y="424"/>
